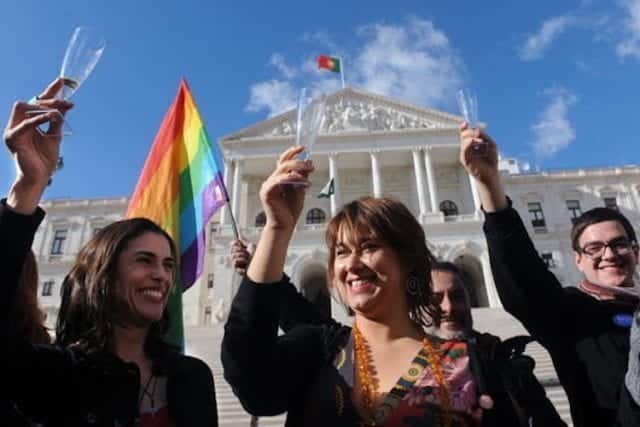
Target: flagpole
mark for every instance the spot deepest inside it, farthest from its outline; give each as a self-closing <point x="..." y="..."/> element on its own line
<point x="233" y="220"/>
<point x="228" y="203"/>
<point x="341" y="70"/>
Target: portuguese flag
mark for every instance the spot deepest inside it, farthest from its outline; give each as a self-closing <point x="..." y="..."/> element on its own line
<point x="328" y="62"/>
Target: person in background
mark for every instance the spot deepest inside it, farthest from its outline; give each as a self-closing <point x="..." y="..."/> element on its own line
<point x="507" y="373"/>
<point x="584" y="328"/>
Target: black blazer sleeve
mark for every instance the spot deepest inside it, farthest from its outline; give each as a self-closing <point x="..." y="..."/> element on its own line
<point x="16" y="236"/>
<point x="267" y="372"/>
<point x="296" y="310"/>
<point x="191" y="393"/>
<point x="27" y="366"/>
<point x="527" y="289"/>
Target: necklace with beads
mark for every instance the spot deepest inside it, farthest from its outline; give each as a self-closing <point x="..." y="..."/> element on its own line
<point x="368" y="384"/>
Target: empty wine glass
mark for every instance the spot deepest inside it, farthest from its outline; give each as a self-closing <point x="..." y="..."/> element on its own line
<point x="83" y="52"/>
<point x="309" y="120"/>
<point x="468" y="105"/>
<point x="310" y="116"/>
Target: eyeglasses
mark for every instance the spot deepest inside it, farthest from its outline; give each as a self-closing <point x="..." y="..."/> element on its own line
<point x="619" y="247"/>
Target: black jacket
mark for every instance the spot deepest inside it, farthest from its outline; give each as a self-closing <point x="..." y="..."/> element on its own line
<point x="507" y="376"/>
<point x="61" y="387"/>
<point x="588" y="347"/>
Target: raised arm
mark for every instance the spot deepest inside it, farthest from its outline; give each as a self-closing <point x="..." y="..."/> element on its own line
<point x="35" y="156"/>
<point x="268" y="372"/>
<point x="296" y="310"/>
<point x="527" y="289"/>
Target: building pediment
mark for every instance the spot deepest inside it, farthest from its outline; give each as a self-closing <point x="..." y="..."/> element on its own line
<point x="353" y="111"/>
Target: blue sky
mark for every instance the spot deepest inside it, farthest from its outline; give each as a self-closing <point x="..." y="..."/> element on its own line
<point x="557" y="84"/>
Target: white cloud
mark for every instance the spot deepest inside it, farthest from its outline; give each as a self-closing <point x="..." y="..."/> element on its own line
<point x="414" y="62"/>
<point x="278" y="61"/>
<point x="554" y="131"/>
<point x="630" y="45"/>
<point x="537" y="44"/>
<point x="276" y="96"/>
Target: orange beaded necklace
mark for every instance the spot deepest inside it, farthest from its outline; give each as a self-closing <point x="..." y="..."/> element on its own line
<point x="369" y="384"/>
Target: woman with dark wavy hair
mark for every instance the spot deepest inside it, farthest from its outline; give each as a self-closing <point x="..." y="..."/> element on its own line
<point x="383" y="370"/>
<point x="98" y="305"/>
<point x="109" y="366"/>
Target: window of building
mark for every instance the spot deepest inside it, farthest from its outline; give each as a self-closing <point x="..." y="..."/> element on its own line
<point x="537" y="216"/>
<point x="207" y="315"/>
<point x="59" y="236"/>
<point x="261" y="219"/>
<point x="316" y="216"/>
<point x="449" y="208"/>
<point x="547" y="257"/>
<point x="611" y="203"/>
<point x="47" y="288"/>
<point x="210" y="281"/>
<point x="574" y="209"/>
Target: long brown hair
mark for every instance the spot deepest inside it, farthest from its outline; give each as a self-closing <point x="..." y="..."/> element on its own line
<point x="28" y="317"/>
<point x="90" y="305"/>
<point x="390" y="221"/>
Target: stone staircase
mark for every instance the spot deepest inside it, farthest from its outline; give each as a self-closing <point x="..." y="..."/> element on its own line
<point x="546" y="374"/>
<point x="230" y="412"/>
<point x="204" y="342"/>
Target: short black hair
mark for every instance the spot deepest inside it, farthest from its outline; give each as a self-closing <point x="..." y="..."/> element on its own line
<point x="595" y="216"/>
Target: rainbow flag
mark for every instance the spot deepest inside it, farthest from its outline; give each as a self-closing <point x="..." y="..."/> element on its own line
<point x="181" y="186"/>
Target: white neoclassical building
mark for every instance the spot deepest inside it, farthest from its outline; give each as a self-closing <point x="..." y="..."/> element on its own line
<point x="369" y="145"/>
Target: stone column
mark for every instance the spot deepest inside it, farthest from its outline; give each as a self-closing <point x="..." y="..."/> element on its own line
<point x="375" y="174"/>
<point x="417" y="170"/>
<point x="474" y="193"/>
<point x="492" y="292"/>
<point x="224" y="211"/>
<point x="334" y="200"/>
<point x="237" y="184"/>
<point x="634" y="191"/>
<point x="431" y="180"/>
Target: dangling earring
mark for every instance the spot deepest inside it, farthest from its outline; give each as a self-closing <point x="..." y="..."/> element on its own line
<point x="414" y="287"/>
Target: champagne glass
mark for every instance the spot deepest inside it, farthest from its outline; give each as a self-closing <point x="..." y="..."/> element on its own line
<point x="310" y="116"/>
<point x="83" y="52"/>
<point x="309" y="120"/>
<point x="468" y="105"/>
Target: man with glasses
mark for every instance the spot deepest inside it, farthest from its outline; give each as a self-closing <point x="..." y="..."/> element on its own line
<point x="584" y="328"/>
